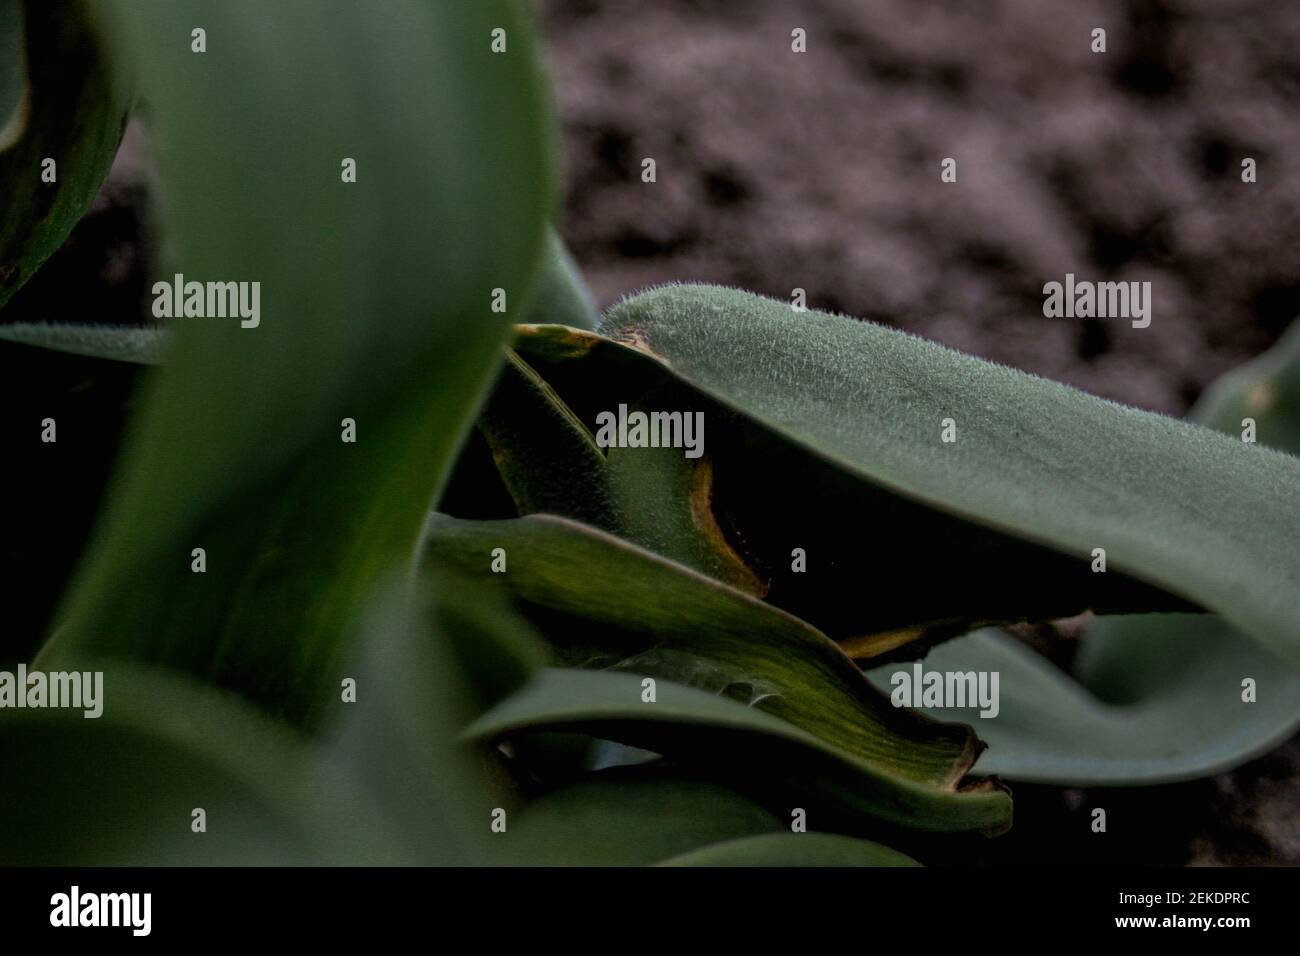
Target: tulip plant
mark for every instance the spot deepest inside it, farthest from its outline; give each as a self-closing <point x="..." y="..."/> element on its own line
<point x="396" y="575"/>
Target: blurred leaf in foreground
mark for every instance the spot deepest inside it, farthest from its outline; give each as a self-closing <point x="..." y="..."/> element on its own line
<point x="375" y="309"/>
<point x="793" y="849"/>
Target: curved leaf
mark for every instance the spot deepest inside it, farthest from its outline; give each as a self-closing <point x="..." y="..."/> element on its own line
<point x="562" y="297"/>
<point x="1156" y="698"/>
<point x="624" y="607"/>
<point x="793" y="849"/>
<point x="1266" y="390"/>
<point x="376" y="306"/>
<point x="14" y="94"/>
<point x="546" y="457"/>
<point x="809" y="532"/>
<point x="748" y="746"/>
<point x="390" y="784"/>
<point x="1166" y="705"/>
<point x="1174" y="504"/>
<point x="76" y="111"/>
<point x="120" y="789"/>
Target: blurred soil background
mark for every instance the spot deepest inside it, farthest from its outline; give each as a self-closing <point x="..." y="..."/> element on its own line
<point x="821" y="170"/>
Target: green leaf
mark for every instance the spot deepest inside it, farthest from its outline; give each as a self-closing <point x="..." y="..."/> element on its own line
<point x="390" y="783"/>
<point x="1158" y="699"/>
<point x="562" y="297"/>
<point x="144" y="345"/>
<point x="714" y="516"/>
<point x="546" y="457"/>
<point x="121" y="789"/>
<point x="605" y="603"/>
<point x="628" y="817"/>
<point x="1154" y="698"/>
<point x="665" y="501"/>
<point x="1173" y="504"/>
<point x="1266" y="390"/>
<point x="495" y="648"/>
<point x="400" y="737"/>
<point x="76" y="111"/>
<point x="745" y="744"/>
<point x="793" y="849"/>
<point x="14" y="94"/>
<point x="376" y="306"/>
